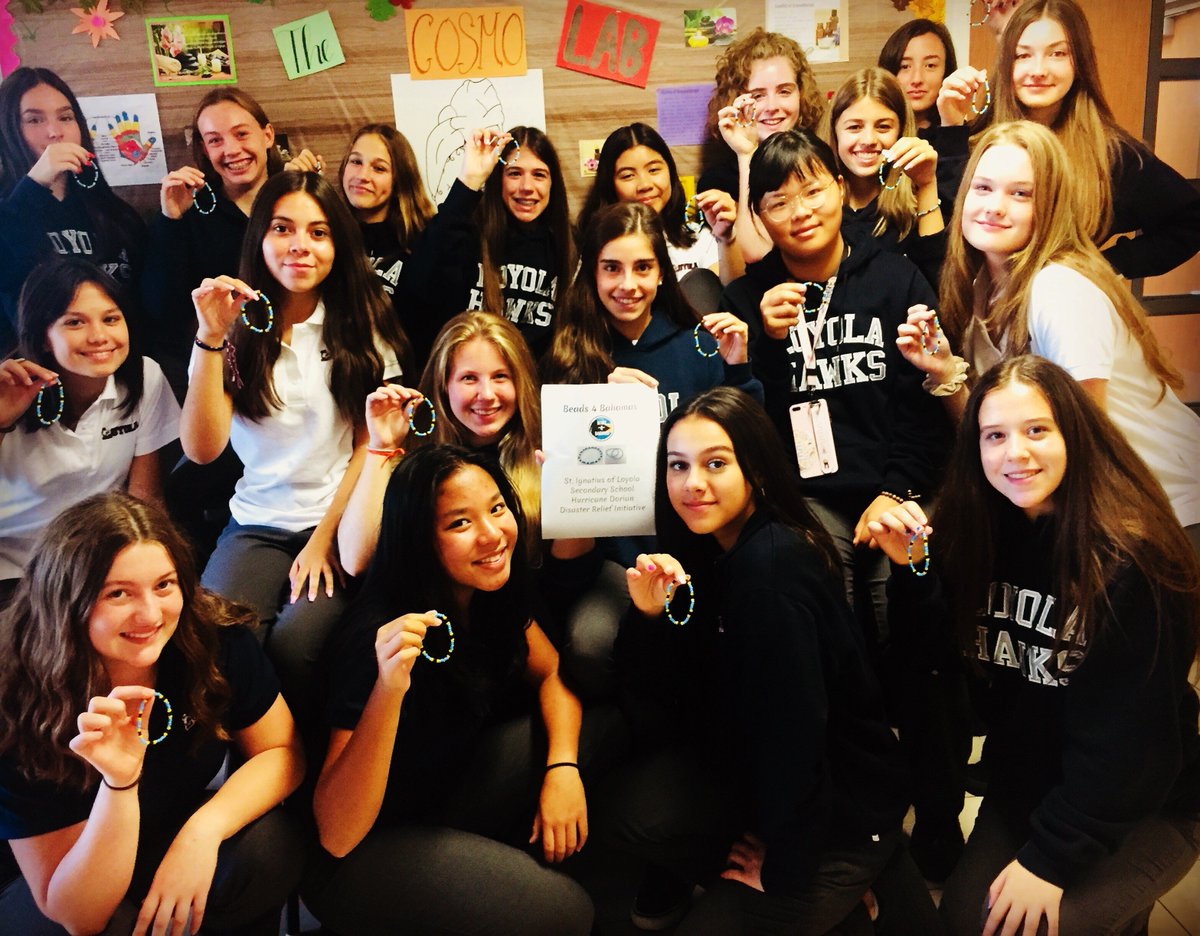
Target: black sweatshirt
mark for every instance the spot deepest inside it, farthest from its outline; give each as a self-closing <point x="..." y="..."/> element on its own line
<point x="388" y="259"/>
<point x="1076" y="757"/>
<point x="446" y="265"/>
<point x="771" y="677"/>
<point x="889" y="434"/>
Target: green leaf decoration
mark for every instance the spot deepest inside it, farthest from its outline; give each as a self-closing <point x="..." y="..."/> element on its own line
<point x="381" y="10"/>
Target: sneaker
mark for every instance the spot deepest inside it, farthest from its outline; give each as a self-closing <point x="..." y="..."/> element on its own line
<point x="662" y="900"/>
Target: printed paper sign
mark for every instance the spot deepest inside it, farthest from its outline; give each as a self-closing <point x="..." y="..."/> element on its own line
<point x="600" y="442"/>
<point x="608" y="43"/>
<point x="704" y="28"/>
<point x="476" y="42"/>
<point x="191" y="50"/>
<point x="818" y="25"/>
<point x="682" y="112"/>
<point x="127" y="135"/>
<point x="309" y="45"/>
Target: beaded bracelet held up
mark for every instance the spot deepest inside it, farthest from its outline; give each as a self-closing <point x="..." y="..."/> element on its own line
<point x="412" y="411"/>
<point x="41" y="399"/>
<point x="924" y="545"/>
<point x="450" y="632"/>
<point x="212" y="196"/>
<point x="95" y="176"/>
<point x="142" y="734"/>
<point x="691" y="603"/>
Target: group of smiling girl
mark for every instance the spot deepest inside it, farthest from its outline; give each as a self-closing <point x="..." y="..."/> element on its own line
<point x="475" y="703"/>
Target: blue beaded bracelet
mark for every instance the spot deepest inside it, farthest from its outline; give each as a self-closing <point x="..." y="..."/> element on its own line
<point x="987" y="11"/>
<point x="987" y="100"/>
<point x="450" y="631"/>
<point x="270" y="315"/>
<point x="166" y="731"/>
<point x="95" y="176"/>
<point x="925" y="544"/>
<point x="696" y="341"/>
<point x="884" y="168"/>
<point x="211" y="194"/>
<point x="412" y="411"/>
<point x="937" y="335"/>
<point x="41" y="399"/>
<point x="691" y="603"/>
<point x="512" y="159"/>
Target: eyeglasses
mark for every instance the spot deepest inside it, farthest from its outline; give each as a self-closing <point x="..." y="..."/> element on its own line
<point x="779" y="208"/>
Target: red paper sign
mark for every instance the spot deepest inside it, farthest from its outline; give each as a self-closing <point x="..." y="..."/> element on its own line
<point x="606" y="42"/>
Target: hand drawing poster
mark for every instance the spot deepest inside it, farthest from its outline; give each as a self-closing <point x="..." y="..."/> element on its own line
<point x="128" y="137"/>
<point x="438" y="115"/>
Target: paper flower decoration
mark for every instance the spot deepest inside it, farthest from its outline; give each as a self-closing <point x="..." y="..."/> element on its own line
<point x="97" y="22"/>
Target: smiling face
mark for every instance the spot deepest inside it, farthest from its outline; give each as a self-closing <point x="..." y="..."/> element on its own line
<point x="922" y="68"/>
<point x="235" y="145"/>
<point x="367" y="180"/>
<point x="525" y="186"/>
<point x="641" y="175"/>
<point x="298" y="247"/>
<point x="998" y="210"/>
<point x="705" y="484"/>
<point x="482" y="394"/>
<point x="776" y="94"/>
<point x="47" y="117"/>
<point x="136" y="612"/>
<point x="627" y="280"/>
<point x="474" y="532"/>
<point x="1023" y="453"/>
<point x="803" y="217"/>
<point x="1043" y="70"/>
<point x="863" y="131"/>
<point x="91" y="338"/>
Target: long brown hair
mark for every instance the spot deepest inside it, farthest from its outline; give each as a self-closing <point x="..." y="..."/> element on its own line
<point x="523" y="435"/>
<point x="1059" y="236"/>
<point x="1110" y="513"/>
<point x="409" y="208"/>
<point x="1085" y="123"/>
<point x="897" y="206"/>
<point x="48" y="666"/>
<point x="493" y="219"/>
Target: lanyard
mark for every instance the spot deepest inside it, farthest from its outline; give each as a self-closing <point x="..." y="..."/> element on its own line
<point x="807" y="340"/>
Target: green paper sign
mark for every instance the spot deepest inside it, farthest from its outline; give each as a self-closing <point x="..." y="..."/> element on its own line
<point x="308" y="45"/>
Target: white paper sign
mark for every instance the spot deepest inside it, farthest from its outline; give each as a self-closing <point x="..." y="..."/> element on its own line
<point x="127" y="135"/>
<point x="436" y="117"/>
<point x="818" y="25"/>
<point x="600" y="442"/>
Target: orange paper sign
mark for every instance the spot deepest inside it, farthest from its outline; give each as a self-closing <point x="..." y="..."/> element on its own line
<point x="476" y="42"/>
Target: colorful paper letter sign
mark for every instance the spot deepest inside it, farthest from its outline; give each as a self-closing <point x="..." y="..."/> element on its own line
<point x="606" y="42"/>
<point x="479" y="42"/>
<point x="309" y="45"/>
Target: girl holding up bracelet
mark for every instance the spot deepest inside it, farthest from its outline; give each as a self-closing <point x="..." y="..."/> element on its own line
<point x="1023" y="275"/>
<point x="768" y="772"/>
<point x="1061" y="573"/>
<point x="451" y="729"/>
<point x="283" y="358"/>
<point x="108" y="811"/>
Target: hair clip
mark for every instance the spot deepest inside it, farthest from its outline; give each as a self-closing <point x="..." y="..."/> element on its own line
<point x="270" y="315"/>
<point x="450" y="631"/>
<point x="691" y="603"/>
<point x="924" y="545"/>
<point x="412" y="409"/>
<point x="926" y="334"/>
<point x="696" y="340"/>
<point x="211" y="194"/>
<point x="95" y="175"/>
<point x="62" y="403"/>
<point x="987" y="11"/>
<point x="987" y="100"/>
<point x="885" y="166"/>
<point x="142" y="736"/>
<point x="694" y="218"/>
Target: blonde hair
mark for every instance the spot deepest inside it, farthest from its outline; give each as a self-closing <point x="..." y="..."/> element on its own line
<point x="897" y="206"/>
<point x="1058" y="236"/>
<point x="1085" y="124"/>
<point x="733" y="77"/>
<point x="523" y="434"/>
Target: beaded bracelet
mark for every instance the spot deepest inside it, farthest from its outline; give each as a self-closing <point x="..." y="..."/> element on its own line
<point x="211" y="194"/>
<point x="142" y="736"/>
<point x="987" y="100"/>
<point x="270" y="315"/>
<point x="207" y="347"/>
<point x="744" y="120"/>
<point x="925" y="545"/>
<point x="987" y="11"/>
<point x="691" y="603"/>
<point x="809" y="284"/>
<point x="937" y="335"/>
<point x="450" y="631"/>
<point x="694" y="218"/>
<point x="930" y="210"/>
<point x="885" y="166"/>
<point x="512" y="159"/>
<point x="412" y="410"/>
<point x="95" y="176"/>
<point x="41" y="398"/>
<point x="696" y="341"/>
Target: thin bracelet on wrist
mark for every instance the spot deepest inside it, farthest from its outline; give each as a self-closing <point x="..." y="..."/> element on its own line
<point x="385" y="452"/>
<point x="550" y="767"/>
<point x="121" y="789"/>
<point x="207" y="347"/>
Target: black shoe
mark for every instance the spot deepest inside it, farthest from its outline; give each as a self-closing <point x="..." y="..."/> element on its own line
<point x="662" y="900"/>
<point x="936" y="850"/>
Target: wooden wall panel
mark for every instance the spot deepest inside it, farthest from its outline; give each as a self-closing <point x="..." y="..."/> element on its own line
<point x="321" y="111"/>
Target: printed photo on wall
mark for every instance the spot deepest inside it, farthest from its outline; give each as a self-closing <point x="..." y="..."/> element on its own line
<point x="191" y="50"/>
<point x="702" y="28"/>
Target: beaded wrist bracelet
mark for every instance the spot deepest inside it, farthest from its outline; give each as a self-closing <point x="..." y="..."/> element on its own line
<point x="691" y="603"/>
<point x="143" y="736"/>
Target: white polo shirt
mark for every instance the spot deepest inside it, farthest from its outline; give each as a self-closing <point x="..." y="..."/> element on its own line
<point x="44" y="472"/>
<point x="295" y="457"/>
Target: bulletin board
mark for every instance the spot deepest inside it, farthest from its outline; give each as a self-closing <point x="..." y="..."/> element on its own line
<point x="321" y="109"/>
